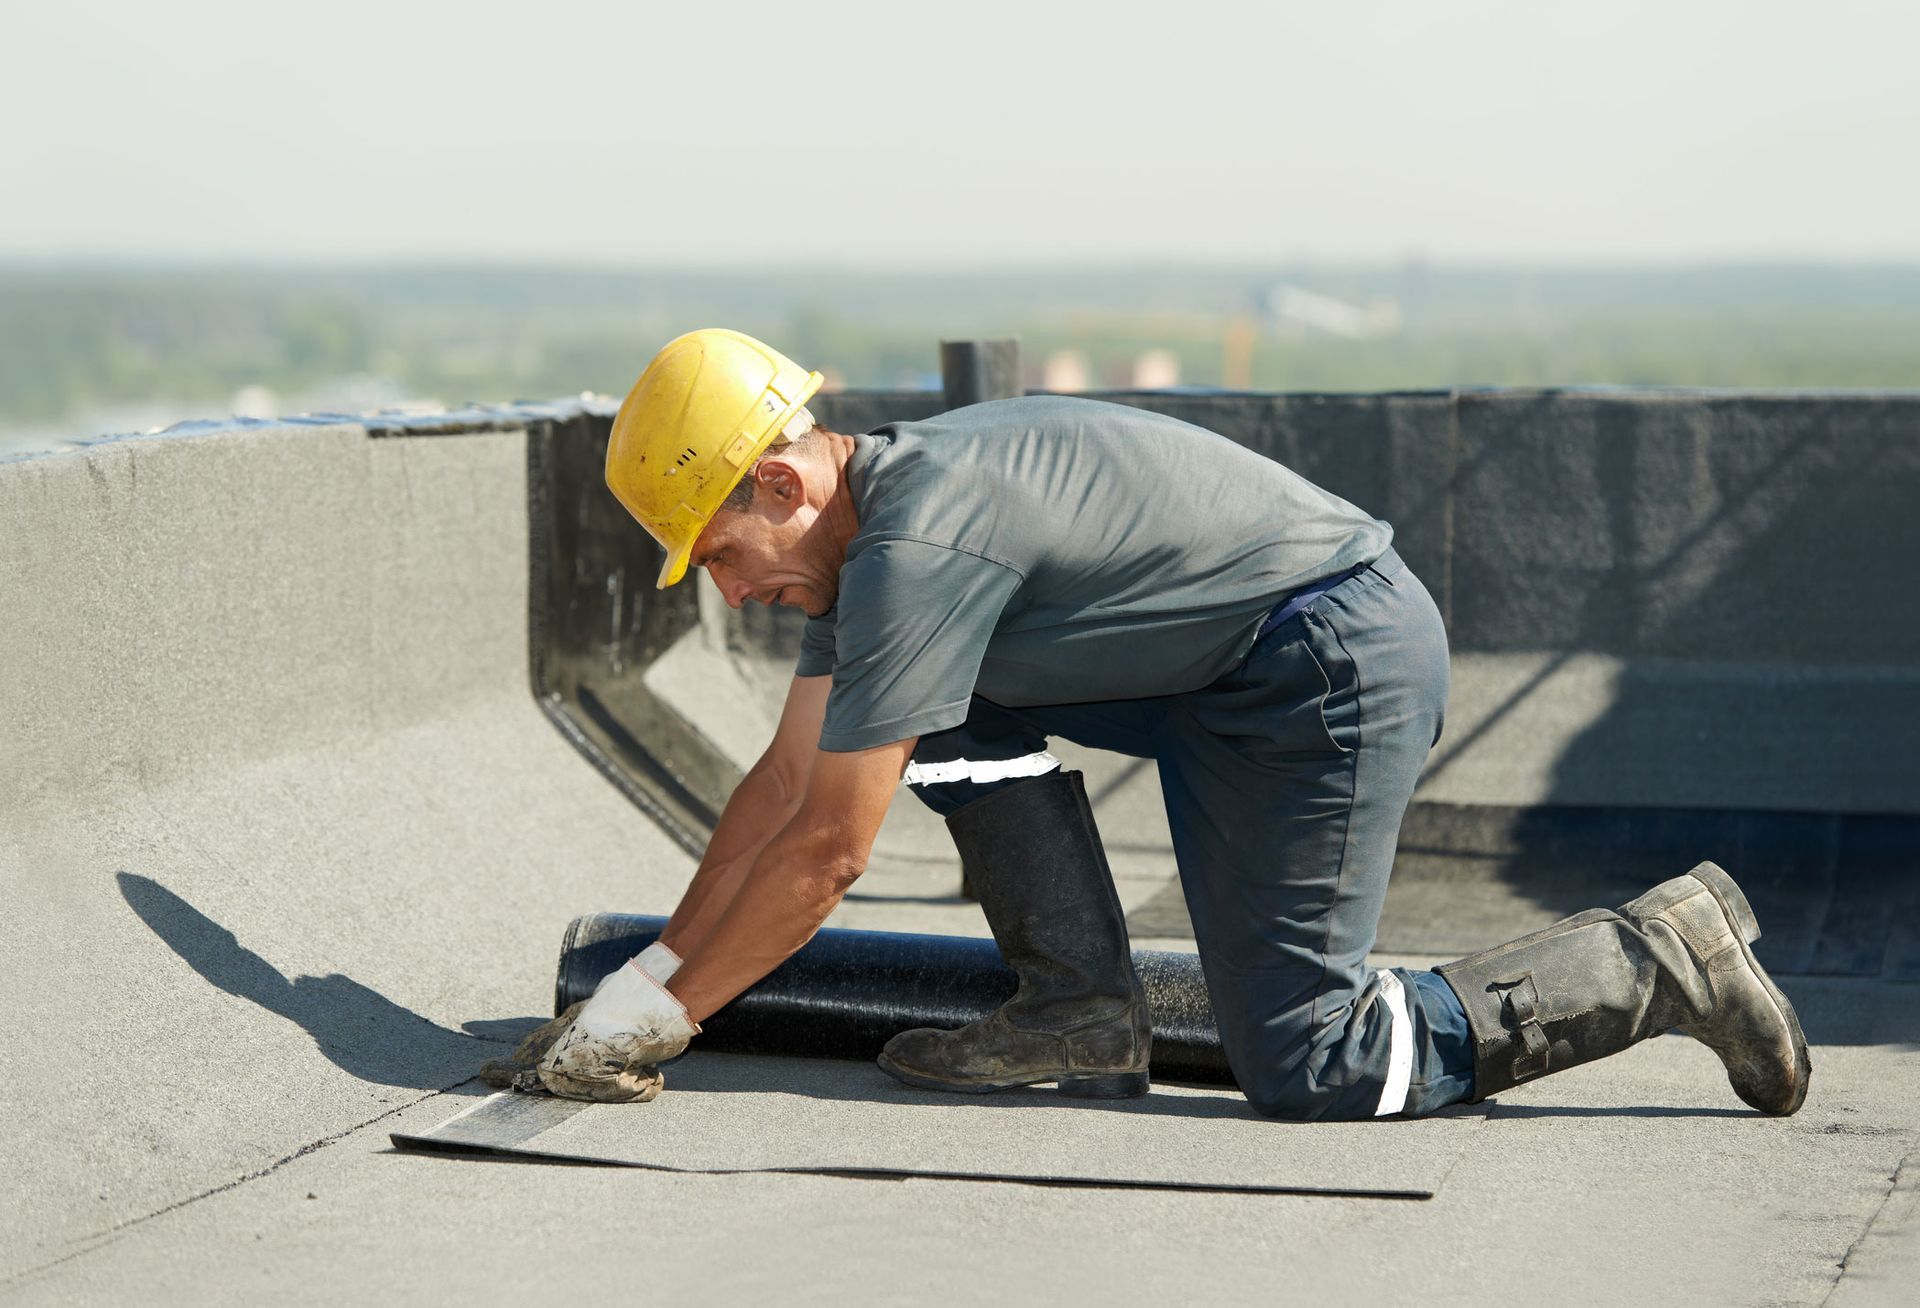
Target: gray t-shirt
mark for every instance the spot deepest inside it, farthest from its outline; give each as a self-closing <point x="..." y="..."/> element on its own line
<point x="1052" y="550"/>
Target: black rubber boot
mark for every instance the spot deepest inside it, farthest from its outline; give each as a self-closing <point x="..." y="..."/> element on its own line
<point x="1079" y="1017"/>
<point x="1591" y="985"/>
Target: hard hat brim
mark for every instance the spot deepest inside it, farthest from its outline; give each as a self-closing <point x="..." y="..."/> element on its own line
<point x="675" y="566"/>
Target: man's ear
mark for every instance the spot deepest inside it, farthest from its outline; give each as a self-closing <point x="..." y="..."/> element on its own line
<point x="781" y="480"/>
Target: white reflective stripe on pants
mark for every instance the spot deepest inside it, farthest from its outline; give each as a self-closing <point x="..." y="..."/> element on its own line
<point x="981" y="772"/>
<point x="1393" y="1095"/>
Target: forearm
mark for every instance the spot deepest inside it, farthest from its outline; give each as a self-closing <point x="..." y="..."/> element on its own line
<point x="786" y="894"/>
<point x="759" y="807"/>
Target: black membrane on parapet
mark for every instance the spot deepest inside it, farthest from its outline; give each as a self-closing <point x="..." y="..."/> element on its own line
<point x="848" y="992"/>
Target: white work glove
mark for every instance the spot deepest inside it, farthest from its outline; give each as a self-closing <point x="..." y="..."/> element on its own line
<point x="522" y="1070"/>
<point x="631" y="1023"/>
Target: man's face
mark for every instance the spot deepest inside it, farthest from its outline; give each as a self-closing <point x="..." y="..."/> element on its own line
<point x="769" y="552"/>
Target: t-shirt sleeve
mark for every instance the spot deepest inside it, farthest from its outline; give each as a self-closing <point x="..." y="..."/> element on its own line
<point x="816" y="647"/>
<point x="912" y="625"/>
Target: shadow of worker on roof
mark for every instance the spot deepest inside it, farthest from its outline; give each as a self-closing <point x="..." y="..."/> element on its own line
<point x="360" y="1030"/>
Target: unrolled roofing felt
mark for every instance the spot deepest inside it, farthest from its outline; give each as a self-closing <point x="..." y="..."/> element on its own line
<point x="740" y="1113"/>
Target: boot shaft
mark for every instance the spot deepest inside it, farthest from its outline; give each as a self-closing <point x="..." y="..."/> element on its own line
<point x="1042" y="879"/>
<point x="1590" y="985"/>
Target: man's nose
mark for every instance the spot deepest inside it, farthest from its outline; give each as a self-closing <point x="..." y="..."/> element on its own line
<point x="735" y="592"/>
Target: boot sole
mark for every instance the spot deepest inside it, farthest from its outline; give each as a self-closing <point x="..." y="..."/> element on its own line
<point x="1733" y="901"/>
<point x="1098" y="1085"/>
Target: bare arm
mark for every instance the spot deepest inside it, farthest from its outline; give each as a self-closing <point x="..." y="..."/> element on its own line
<point x="766" y="798"/>
<point x="797" y="877"/>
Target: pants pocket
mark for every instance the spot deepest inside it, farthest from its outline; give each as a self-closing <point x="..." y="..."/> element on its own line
<point x="1338" y="704"/>
<point x="1292" y="701"/>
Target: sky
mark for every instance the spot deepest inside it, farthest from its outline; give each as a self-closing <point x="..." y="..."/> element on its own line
<point x="923" y="135"/>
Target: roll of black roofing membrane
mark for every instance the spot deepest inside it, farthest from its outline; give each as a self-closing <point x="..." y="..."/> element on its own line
<point x="848" y="992"/>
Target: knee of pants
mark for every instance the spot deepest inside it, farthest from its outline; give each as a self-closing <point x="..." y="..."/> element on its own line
<point x="1289" y="1055"/>
<point x="992" y="749"/>
<point x="1286" y="1092"/>
<point x="946" y="797"/>
<point x="946" y="789"/>
<point x="1272" y="1060"/>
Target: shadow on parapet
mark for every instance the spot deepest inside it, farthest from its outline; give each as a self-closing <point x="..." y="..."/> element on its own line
<point x="361" y="1031"/>
<point x="1730" y="553"/>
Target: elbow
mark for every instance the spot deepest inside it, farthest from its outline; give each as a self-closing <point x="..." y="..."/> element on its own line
<point x="831" y="864"/>
<point x="842" y="870"/>
<point x="785" y="784"/>
<point x="838" y="863"/>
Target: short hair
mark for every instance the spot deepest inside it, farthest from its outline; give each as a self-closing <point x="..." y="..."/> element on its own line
<point x="796" y="435"/>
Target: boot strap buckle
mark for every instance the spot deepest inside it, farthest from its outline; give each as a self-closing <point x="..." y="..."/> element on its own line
<point x="1520" y="1003"/>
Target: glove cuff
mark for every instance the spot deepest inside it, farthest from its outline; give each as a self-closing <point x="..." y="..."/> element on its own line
<point x="658" y="962"/>
<point x="653" y="997"/>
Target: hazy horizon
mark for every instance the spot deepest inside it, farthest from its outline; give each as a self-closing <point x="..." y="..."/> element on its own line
<point x="303" y="263"/>
<point x="871" y="136"/>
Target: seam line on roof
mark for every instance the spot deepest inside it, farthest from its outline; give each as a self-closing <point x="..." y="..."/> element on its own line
<point x="1893" y="1186"/>
<point x="101" y="1239"/>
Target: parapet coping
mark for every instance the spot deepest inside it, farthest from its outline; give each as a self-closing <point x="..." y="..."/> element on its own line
<point x="405" y="420"/>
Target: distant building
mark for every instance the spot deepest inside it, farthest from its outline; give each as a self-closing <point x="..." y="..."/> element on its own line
<point x="254" y="402"/>
<point x="1064" y="370"/>
<point x="1156" y="370"/>
<point x="1296" y="310"/>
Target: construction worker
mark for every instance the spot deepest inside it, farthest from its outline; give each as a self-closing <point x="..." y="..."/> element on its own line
<point x="1049" y="566"/>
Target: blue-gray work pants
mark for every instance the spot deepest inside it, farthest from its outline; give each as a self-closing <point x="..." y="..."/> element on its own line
<point x="1285" y="783"/>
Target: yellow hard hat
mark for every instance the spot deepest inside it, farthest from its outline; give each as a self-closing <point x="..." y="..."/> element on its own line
<point x="702" y="412"/>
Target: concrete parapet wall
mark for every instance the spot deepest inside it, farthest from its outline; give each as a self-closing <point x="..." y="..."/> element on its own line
<point x="192" y="604"/>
